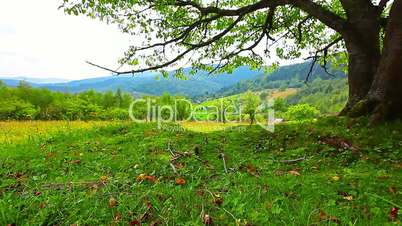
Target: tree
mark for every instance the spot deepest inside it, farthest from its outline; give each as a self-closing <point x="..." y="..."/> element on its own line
<point x="109" y="100"/>
<point x="221" y="107"/>
<point x="230" y="33"/>
<point x="126" y="100"/>
<point x="183" y="108"/>
<point x="280" y="105"/>
<point x="264" y="95"/>
<point x="250" y="103"/>
<point x="119" y="98"/>
<point x="384" y="97"/>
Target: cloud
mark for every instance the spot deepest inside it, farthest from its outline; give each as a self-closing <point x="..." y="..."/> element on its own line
<point x="38" y="40"/>
<point x="7" y="29"/>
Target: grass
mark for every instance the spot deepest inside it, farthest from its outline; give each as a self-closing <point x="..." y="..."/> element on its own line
<point x="14" y="131"/>
<point x="119" y="174"/>
<point x="207" y="127"/>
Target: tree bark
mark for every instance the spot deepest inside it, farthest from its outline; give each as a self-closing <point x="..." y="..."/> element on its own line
<point x="362" y="67"/>
<point x="362" y="40"/>
<point x="385" y="96"/>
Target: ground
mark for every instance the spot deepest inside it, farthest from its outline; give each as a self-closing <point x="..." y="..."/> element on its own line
<point x="326" y="172"/>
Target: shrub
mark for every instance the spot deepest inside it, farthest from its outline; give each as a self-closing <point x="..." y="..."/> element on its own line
<point x="17" y="109"/>
<point x="301" y="112"/>
<point x="117" y="114"/>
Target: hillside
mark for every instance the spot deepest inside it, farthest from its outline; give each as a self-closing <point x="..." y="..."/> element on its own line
<point x="199" y="86"/>
<point x="153" y="84"/>
<point x="290" y="76"/>
<point x="328" y="96"/>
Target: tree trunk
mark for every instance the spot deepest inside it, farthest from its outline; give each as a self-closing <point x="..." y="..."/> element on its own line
<point x="385" y="96"/>
<point x="363" y="45"/>
<point x="362" y="67"/>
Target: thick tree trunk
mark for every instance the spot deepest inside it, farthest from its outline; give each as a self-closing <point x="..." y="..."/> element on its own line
<point x="363" y="46"/>
<point x="385" y="96"/>
<point x="362" y="67"/>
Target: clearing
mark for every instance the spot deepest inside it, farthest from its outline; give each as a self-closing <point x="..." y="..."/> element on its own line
<point x="311" y="173"/>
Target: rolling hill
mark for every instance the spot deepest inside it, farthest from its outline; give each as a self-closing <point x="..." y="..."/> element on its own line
<point x="149" y="83"/>
<point x="198" y="87"/>
<point x="290" y="76"/>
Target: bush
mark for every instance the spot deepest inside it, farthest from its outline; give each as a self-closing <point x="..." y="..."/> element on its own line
<point x="17" y="109"/>
<point x="301" y="112"/>
<point x="116" y="114"/>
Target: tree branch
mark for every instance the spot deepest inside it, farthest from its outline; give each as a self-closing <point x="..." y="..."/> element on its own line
<point x="313" y="9"/>
<point x="218" y="36"/>
<point x="322" y="14"/>
<point x="384" y="22"/>
<point x="182" y="36"/>
<point x="233" y="12"/>
<point x="265" y="32"/>
<point x="316" y="57"/>
<point x="383" y="3"/>
<point x="178" y="57"/>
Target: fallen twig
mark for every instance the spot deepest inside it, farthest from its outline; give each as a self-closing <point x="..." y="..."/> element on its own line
<point x="227" y="212"/>
<point x="175" y="156"/>
<point x="339" y="143"/>
<point x="199" y="159"/>
<point x="170" y="150"/>
<point x="224" y="162"/>
<point x="173" y="167"/>
<point x="70" y="185"/>
<point x="292" y="160"/>
<point x="147" y="212"/>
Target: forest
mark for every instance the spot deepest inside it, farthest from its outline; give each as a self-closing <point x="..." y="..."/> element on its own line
<point x="27" y="103"/>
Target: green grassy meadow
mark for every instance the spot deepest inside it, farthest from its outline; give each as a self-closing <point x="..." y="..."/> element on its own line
<point x="333" y="171"/>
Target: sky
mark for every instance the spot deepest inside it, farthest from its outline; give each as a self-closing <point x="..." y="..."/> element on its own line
<point x="37" y="40"/>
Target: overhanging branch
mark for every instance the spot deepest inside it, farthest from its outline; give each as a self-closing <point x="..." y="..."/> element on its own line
<point x="211" y="13"/>
<point x="383" y="3"/>
<point x="325" y="55"/>
<point x="178" y="57"/>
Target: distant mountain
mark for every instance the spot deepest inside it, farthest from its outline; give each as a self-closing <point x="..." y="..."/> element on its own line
<point x="152" y="84"/>
<point x="199" y="86"/>
<point x="10" y="82"/>
<point x="35" y="80"/>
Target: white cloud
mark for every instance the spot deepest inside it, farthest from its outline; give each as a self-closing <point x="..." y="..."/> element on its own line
<point x="38" y="40"/>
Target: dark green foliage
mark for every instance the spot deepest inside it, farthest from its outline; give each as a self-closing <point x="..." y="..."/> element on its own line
<point x="291" y="76"/>
<point x="25" y="102"/>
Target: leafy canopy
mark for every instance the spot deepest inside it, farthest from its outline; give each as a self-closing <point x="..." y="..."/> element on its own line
<point x="218" y="36"/>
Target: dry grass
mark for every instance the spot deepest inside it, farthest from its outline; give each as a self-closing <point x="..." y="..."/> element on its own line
<point x="283" y="94"/>
<point x="207" y="127"/>
<point x="14" y="131"/>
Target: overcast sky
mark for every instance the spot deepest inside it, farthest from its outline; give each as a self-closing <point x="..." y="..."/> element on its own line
<point x="38" y="40"/>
